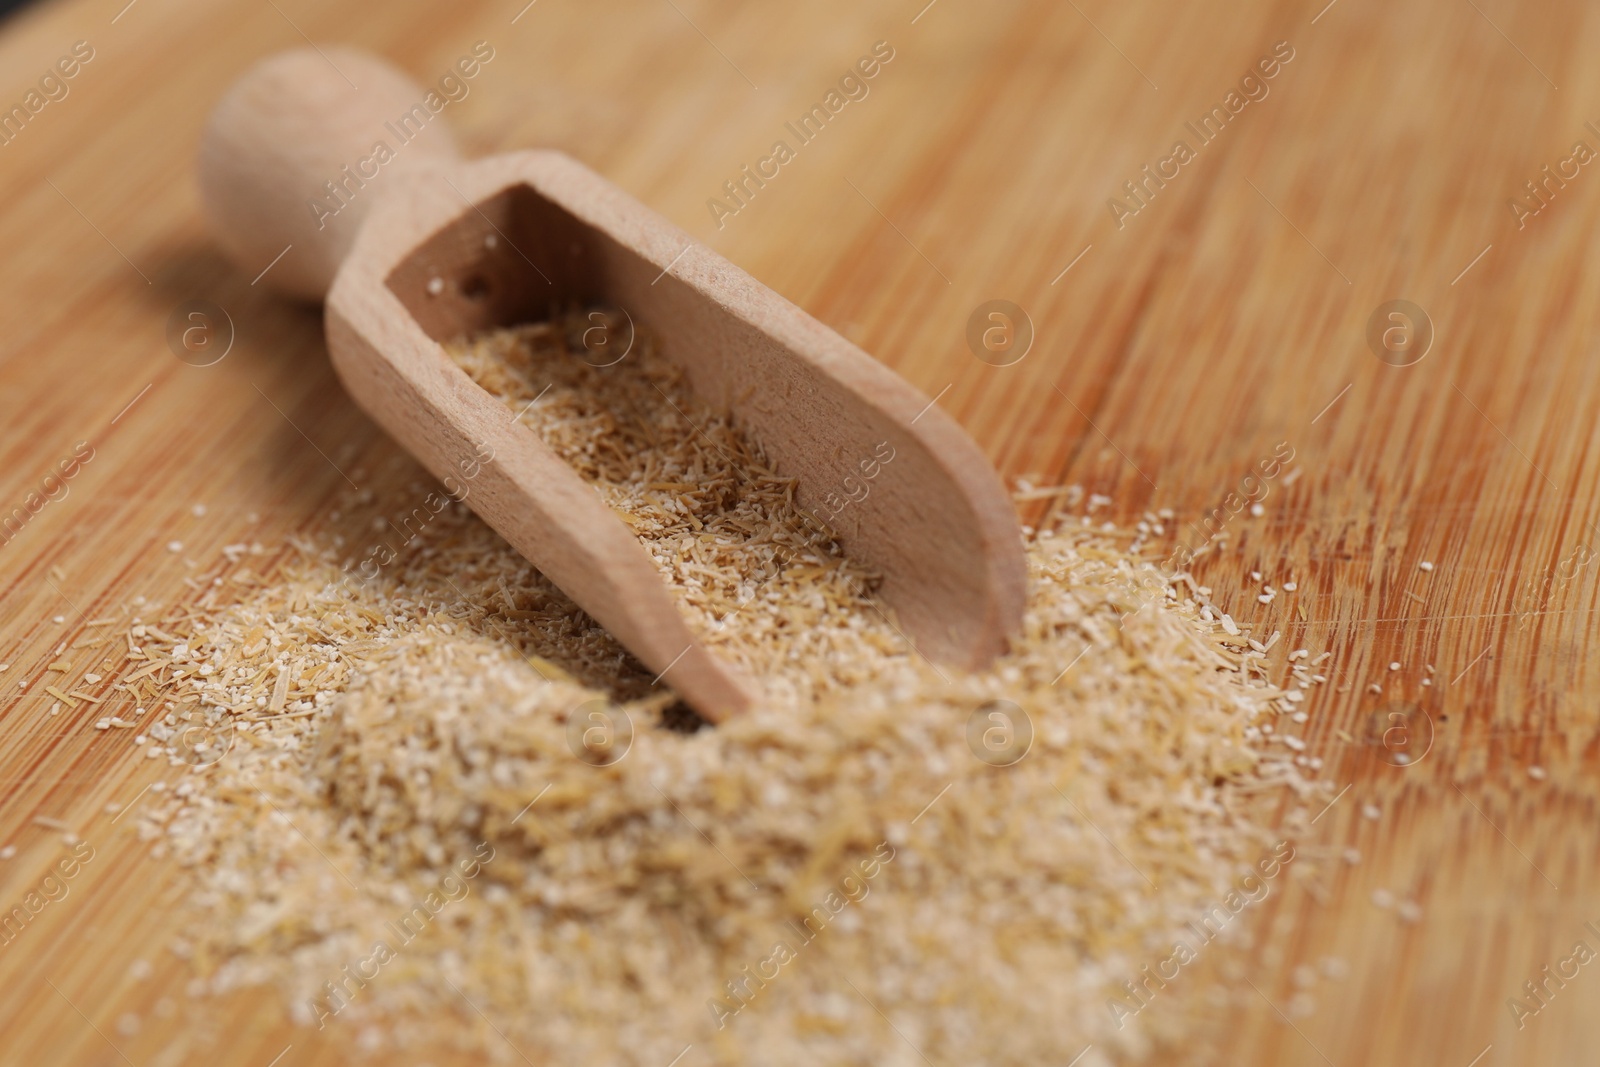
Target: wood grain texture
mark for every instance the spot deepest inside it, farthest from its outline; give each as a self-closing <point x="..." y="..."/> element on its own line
<point x="1226" y="316"/>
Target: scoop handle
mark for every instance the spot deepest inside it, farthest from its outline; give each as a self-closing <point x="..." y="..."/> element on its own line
<point x="296" y="152"/>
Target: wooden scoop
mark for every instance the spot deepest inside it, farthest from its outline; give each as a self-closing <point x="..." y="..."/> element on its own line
<point x="420" y="247"/>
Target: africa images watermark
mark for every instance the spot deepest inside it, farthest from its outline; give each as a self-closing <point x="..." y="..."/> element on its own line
<point x="853" y="888"/>
<point x="337" y="994"/>
<point x="1538" y="590"/>
<point x="855" y="489"/>
<point x="414" y="523"/>
<point x="1540" y="193"/>
<point x="53" y="87"/>
<point x="1152" y="582"/>
<point x="852" y="86"/>
<point x="1542" y="992"/>
<point x="1154" y="177"/>
<point x="52" y="888"/>
<point x="1250" y="890"/>
<point x="53" y="487"/>
<point x="1253" y="489"/>
<point x="343" y="187"/>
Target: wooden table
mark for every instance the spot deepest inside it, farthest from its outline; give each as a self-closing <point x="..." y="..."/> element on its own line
<point x="1175" y="346"/>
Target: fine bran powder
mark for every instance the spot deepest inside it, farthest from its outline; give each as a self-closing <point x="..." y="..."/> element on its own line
<point x="400" y="835"/>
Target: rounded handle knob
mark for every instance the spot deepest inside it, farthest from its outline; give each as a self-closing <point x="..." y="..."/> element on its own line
<point x="298" y="149"/>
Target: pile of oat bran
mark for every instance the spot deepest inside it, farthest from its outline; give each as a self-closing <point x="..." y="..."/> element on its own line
<point x="386" y="734"/>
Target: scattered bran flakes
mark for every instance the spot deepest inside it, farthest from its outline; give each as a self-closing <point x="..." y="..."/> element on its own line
<point x="400" y="726"/>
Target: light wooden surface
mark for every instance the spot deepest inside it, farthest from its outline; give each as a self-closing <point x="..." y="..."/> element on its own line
<point x="1226" y="316"/>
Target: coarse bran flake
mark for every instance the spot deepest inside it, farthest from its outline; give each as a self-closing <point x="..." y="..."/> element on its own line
<point x="364" y="743"/>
